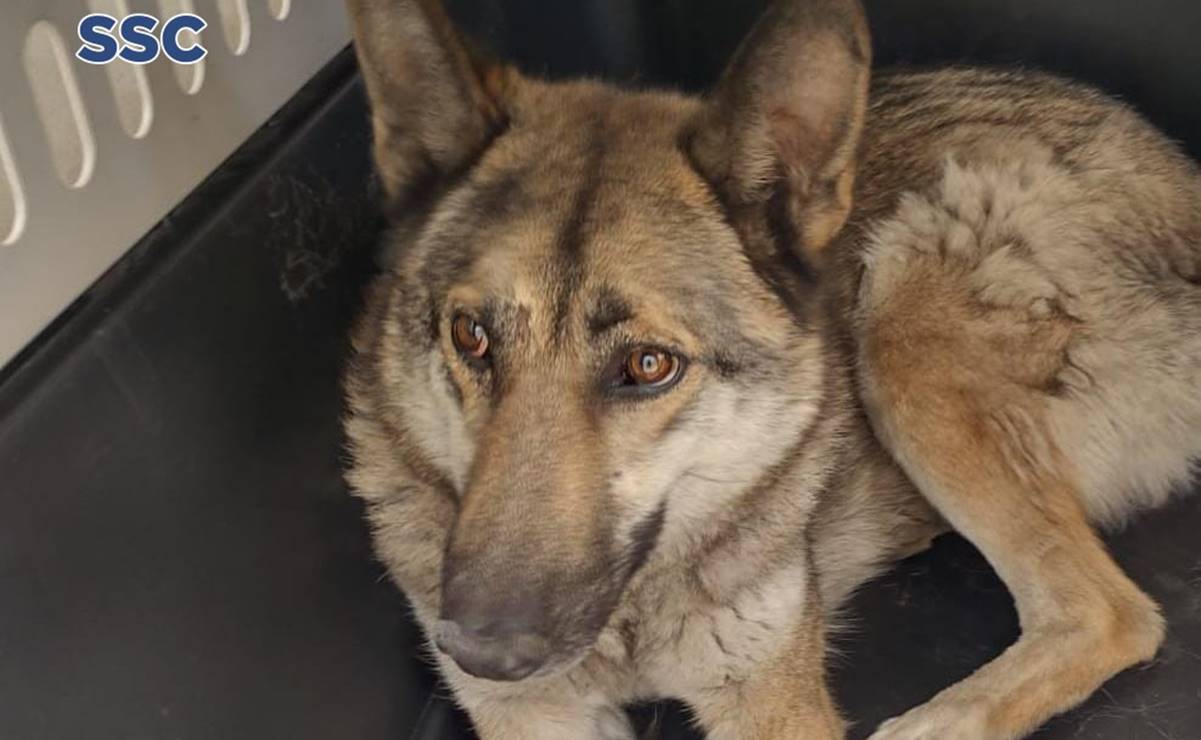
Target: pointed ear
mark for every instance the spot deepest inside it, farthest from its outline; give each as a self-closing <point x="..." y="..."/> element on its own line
<point x="435" y="104"/>
<point x="788" y="113"/>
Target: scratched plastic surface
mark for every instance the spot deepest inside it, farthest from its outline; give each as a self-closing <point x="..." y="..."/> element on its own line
<point x="178" y="555"/>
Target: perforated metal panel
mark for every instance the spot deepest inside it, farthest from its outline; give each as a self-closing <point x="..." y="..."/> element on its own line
<point x="91" y="157"/>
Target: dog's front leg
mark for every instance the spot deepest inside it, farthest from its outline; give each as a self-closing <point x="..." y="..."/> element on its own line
<point x="538" y="709"/>
<point x="537" y="720"/>
<point x="784" y="698"/>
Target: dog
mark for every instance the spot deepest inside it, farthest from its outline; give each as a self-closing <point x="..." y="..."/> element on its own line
<point x="654" y="382"/>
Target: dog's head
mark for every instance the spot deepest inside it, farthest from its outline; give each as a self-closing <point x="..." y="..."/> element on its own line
<point x="600" y="323"/>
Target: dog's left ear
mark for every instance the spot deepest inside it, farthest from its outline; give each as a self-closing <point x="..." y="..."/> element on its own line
<point x="788" y="113"/>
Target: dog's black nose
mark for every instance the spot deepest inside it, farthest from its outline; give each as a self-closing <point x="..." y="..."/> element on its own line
<point x="496" y="651"/>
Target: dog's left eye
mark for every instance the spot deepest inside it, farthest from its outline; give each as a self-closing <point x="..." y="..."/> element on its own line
<point x="651" y="369"/>
<point x="470" y="337"/>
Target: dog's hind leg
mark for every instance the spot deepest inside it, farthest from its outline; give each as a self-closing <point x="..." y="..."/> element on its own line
<point x="958" y="390"/>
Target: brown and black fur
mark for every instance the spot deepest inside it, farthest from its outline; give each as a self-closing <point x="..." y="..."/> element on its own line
<point x="960" y="298"/>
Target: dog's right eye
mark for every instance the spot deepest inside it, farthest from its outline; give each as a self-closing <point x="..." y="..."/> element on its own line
<point x="470" y="337"/>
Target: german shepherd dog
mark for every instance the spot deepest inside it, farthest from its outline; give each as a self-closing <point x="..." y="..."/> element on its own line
<point x="654" y="382"/>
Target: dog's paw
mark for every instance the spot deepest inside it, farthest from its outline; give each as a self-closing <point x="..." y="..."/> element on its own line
<point x="937" y="720"/>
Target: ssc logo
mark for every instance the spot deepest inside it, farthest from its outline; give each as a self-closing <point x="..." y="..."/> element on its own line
<point x="133" y="39"/>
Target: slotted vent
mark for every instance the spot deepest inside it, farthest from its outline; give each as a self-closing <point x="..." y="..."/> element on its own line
<point x="59" y="104"/>
<point x="12" y="198"/>
<point x="279" y="8"/>
<point x="189" y="76"/>
<point x="235" y="21"/>
<point x="130" y="89"/>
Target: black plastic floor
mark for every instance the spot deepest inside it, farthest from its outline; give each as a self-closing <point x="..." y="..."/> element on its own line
<point x="178" y="554"/>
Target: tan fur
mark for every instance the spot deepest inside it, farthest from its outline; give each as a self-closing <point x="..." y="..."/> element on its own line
<point x="968" y="298"/>
<point x="785" y="697"/>
<point x="975" y="438"/>
<point x="982" y="314"/>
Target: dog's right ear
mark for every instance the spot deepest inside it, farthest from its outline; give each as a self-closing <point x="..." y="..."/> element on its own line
<point x="787" y="115"/>
<point x="435" y="103"/>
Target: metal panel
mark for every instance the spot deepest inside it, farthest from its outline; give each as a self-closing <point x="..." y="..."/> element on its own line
<point x="57" y="239"/>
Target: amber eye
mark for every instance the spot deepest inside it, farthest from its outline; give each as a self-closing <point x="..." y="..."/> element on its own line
<point x="650" y="367"/>
<point x="470" y="338"/>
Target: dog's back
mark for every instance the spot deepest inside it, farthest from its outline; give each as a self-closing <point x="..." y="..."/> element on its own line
<point x="1056" y="201"/>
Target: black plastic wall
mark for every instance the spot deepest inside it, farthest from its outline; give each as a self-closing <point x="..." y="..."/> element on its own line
<point x="178" y="555"/>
